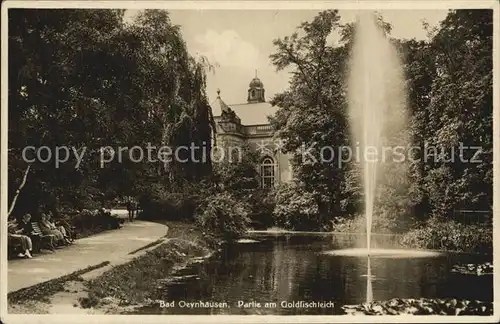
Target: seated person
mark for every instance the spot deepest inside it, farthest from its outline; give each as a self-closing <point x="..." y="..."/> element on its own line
<point x="48" y="218"/>
<point x="48" y="228"/>
<point x="28" y="230"/>
<point x="15" y="237"/>
<point x="25" y="224"/>
<point x="63" y="222"/>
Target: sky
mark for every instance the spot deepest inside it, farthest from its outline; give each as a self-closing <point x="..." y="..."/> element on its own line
<point x="239" y="42"/>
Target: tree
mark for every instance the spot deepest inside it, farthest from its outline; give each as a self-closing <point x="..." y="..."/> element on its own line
<point x="52" y="75"/>
<point x="461" y="113"/>
<point x="238" y="174"/>
<point x="312" y="114"/>
<point x="312" y="111"/>
<point x="68" y="87"/>
<point x="449" y="84"/>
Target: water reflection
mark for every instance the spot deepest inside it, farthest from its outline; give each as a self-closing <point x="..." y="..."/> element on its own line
<point x="293" y="268"/>
<point x="369" y="288"/>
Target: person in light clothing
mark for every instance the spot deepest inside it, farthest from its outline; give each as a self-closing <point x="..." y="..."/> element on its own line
<point x="15" y="237"/>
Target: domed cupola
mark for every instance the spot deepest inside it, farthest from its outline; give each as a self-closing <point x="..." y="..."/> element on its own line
<point x="256" y="83"/>
<point x="256" y="90"/>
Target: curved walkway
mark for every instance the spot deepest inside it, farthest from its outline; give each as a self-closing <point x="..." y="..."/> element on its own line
<point x="110" y="246"/>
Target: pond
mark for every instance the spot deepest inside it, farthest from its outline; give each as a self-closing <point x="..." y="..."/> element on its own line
<point x="289" y="274"/>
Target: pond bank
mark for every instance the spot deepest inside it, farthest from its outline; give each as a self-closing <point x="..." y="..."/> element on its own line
<point x="399" y="239"/>
<point x="115" y="288"/>
<point x="135" y="286"/>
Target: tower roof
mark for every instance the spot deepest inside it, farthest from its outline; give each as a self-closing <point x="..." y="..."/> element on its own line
<point x="248" y="113"/>
<point x="254" y="113"/>
<point x="218" y="106"/>
<point x="256" y="83"/>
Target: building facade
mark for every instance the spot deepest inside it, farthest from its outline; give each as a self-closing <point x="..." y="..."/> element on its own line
<point x="248" y="123"/>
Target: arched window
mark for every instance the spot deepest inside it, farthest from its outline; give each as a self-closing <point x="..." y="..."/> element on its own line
<point x="253" y="94"/>
<point x="267" y="173"/>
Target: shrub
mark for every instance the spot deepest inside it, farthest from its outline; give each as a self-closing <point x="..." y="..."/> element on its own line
<point x="222" y="218"/>
<point x="87" y="198"/>
<point x="83" y="220"/>
<point x="450" y="235"/>
<point x="382" y="222"/>
<point x="261" y="204"/>
<point x="157" y="204"/>
<point x="355" y="224"/>
<point x="296" y="209"/>
<point x="240" y="173"/>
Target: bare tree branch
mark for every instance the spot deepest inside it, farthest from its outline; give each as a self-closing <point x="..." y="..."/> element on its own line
<point x="18" y="191"/>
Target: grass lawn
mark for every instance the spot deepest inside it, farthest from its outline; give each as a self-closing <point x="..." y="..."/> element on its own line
<point x="134" y="282"/>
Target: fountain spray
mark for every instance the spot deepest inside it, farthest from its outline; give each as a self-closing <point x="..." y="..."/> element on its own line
<point x="376" y="104"/>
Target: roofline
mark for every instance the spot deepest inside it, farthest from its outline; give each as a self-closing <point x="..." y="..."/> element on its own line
<point x="219" y="116"/>
<point x="249" y="103"/>
<point x="258" y="124"/>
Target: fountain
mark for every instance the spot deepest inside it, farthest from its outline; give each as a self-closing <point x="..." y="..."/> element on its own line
<point x="377" y="112"/>
<point x="376" y="104"/>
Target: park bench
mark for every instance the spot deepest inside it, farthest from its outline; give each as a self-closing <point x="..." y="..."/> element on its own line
<point x="13" y="249"/>
<point x="40" y="240"/>
<point x="65" y="223"/>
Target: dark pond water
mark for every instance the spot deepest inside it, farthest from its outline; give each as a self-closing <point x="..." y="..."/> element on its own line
<point x="283" y="269"/>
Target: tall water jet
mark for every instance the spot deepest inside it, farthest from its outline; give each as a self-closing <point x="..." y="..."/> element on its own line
<point x="376" y="106"/>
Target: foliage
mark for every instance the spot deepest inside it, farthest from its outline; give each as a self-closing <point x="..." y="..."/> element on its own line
<point x="68" y="86"/>
<point x="395" y="204"/>
<point x="422" y="306"/>
<point x="262" y="203"/>
<point x="239" y="176"/>
<point x="459" y="113"/>
<point x="132" y="282"/>
<point x="223" y="218"/>
<point x="477" y="269"/>
<point x="382" y="223"/>
<point x="295" y="208"/>
<point x="238" y="173"/>
<point x="159" y="204"/>
<point x="89" y="222"/>
<point x="451" y="236"/>
<point x="353" y="224"/>
<point x="312" y="111"/>
<point x="449" y="82"/>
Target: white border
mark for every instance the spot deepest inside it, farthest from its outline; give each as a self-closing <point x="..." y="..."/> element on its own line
<point x="249" y="5"/>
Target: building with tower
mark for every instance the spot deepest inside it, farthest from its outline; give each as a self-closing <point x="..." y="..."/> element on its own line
<point x="248" y="122"/>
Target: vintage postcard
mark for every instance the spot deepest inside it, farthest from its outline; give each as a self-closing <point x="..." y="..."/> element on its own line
<point x="249" y="161"/>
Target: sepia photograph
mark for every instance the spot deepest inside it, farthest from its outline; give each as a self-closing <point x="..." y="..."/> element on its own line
<point x="302" y="161"/>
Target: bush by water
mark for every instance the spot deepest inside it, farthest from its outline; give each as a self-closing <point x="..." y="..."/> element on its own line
<point x="222" y="217"/>
<point x="451" y="236"/>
